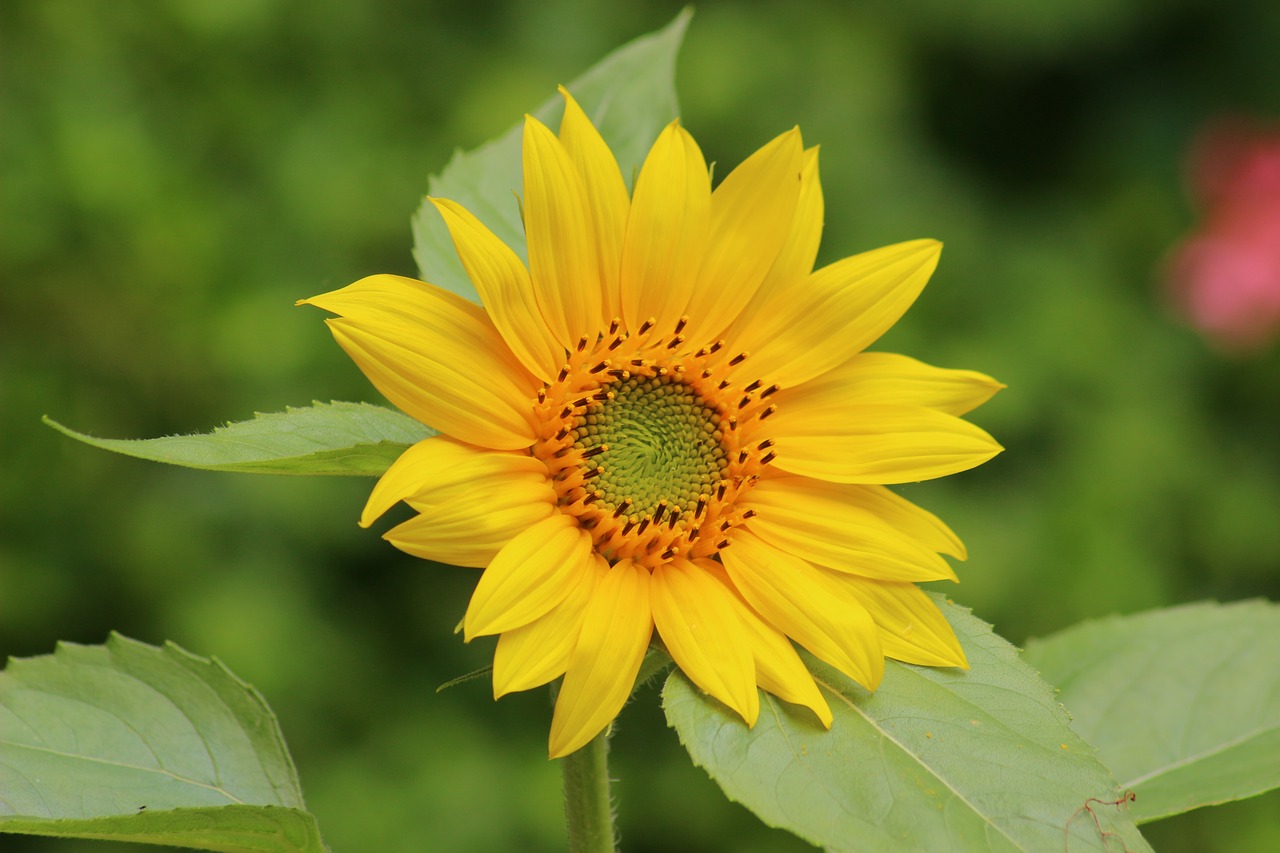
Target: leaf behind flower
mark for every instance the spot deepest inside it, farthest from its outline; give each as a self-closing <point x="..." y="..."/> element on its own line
<point x="354" y="439"/>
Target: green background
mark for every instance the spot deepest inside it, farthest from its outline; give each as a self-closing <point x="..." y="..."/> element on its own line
<point x="175" y="174"/>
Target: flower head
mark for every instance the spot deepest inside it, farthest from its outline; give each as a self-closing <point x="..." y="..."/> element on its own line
<point x="667" y="421"/>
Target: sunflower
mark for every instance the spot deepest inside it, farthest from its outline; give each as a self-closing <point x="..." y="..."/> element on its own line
<point x="666" y="421"/>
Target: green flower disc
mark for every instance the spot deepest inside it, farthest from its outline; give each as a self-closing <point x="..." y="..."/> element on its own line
<point x="661" y="443"/>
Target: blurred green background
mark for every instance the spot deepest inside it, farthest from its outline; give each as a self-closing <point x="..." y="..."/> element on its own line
<point x="175" y="174"/>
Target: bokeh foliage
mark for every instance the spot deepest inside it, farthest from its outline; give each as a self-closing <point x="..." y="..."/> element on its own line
<point x="174" y="175"/>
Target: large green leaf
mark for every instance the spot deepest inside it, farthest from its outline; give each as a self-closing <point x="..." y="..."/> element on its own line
<point x="323" y="438"/>
<point x="136" y="743"/>
<point x="630" y="95"/>
<point x="1183" y="704"/>
<point x="935" y="759"/>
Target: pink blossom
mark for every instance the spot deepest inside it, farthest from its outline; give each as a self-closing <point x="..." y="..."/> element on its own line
<point x="1225" y="277"/>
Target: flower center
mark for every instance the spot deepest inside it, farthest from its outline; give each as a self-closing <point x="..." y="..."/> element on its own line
<point x="645" y="441"/>
<point x="658" y="442"/>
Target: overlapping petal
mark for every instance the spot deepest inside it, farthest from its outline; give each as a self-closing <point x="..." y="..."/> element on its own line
<point x="563" y="256"/>
<point x="807" y="605"/>
<point x="440" y="469"/>
<point x="602" y="668"/>
<point x="528" y="577"/>
<point x="667" y="231"/>
<point x="779" y="669"/>
<point x="814" y="325"/>
<point x="534" y="654"/>
<point x="883" y="378"/>
<point x="828" y="524"/>
<point x="472" y="529"/>
<point x="796" y="257"/>
<point x="435" y="356"/>
<point x="608" y="203"/>
<point x="912" y="628"/>
<point x="876" y="444"/>
<point x="753" y="211"/>
<point x="505" y="288"/>
<point x="697" y="619"/>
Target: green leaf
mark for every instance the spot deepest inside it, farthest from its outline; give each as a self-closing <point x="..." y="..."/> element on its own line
<point x="131" y="742"/>
<point x="630" y="95"/>
<point x="935" y="759"/>
<point x="1183" y="704"/>
<point x="323" y="438"/>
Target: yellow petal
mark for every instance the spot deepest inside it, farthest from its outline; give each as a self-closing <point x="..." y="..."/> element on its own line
<point x="779" y="669"/>
<point x="435" y="356"/>
<point x="471" y="528"/>
<point x="826" y="524"/>
<point x="667" y="232"/>
<point x="563" y="258"/>
<point x="607" y="201"/>
<point x="533" y="573"/>
<point x="795" y="260"/>
<point x="876" y="444"/>
<point x="804" y="603"/>
<point x="912" y="629"/>
<point x="506" y="289"/>
<point x="534" y="654"/>
<point x="695" y="617"/>
<point x="440" y="467"/>
<point x="752" y="214"/>
<point x="603" y="666"/>
<point x="884" y="378"/>
<point x="813" y="325"/>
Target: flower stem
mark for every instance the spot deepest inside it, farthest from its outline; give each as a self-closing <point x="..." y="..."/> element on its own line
<point x="587" y="809"/>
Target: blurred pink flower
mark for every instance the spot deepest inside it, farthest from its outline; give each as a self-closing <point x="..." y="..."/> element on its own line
<point x="1225" y="277"/>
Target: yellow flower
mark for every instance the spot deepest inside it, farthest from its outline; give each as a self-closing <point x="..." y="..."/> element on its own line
<point x="667" y="420"/>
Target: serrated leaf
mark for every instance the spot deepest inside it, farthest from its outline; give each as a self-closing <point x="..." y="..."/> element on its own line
<point x="935" y="759"/>
<point x="630" y="95"/>
<point x="1183" y="703"/>
<point x="131" y="742"/>
<point x="351" y="439"/>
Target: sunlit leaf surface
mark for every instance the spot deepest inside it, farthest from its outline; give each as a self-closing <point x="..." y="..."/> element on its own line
<point x="935" y="759"/>
<point x="324" y="438"/>
<point x="131" y="742"/>
<point x="1183" y="703"/>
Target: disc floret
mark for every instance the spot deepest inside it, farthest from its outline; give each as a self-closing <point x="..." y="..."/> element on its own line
<point x="643" y="438"/>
